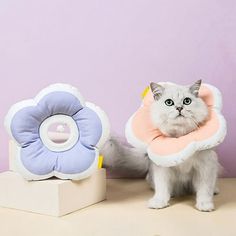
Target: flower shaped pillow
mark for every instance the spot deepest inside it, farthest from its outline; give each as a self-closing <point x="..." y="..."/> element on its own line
<point x="39" y="157"/>
<point x="168" y="151"/>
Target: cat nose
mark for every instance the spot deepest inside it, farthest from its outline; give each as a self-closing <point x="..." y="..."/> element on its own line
<point x="179" y="109"/>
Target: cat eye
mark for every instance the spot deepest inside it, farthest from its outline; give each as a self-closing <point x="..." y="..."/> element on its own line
<point x="169" y="102"/>
<point x="187" y="101"/>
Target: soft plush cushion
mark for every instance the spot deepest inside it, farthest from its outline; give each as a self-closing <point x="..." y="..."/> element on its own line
<point x="167" y="151"/>
<point x="75" y="160"/>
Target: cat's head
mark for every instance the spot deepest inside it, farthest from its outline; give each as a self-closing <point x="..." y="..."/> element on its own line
<point x="177" y="110"/>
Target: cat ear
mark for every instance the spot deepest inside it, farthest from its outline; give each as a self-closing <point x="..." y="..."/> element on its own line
<point x="194" y="89"/>
<point x="157" y="90"/>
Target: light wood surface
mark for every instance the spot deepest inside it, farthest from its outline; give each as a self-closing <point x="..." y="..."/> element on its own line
<point x="125" y="213"/>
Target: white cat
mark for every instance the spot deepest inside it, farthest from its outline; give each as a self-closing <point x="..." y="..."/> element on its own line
<point x="177" y="111"/>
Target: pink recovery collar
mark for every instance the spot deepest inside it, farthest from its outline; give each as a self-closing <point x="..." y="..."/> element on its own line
<point x="167" y="151"/>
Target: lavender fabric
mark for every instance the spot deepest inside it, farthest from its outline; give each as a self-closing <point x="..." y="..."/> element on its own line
<point x="37" y="158"/>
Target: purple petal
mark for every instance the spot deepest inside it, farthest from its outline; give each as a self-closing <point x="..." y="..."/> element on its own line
<point x="90" y="126"/>
<point x="76" y="160"/>
<point x="37" y="159"/>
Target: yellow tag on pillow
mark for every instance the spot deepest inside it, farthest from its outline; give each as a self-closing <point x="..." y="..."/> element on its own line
<point x="100" y="161"/>
<point x="145" y="91"/>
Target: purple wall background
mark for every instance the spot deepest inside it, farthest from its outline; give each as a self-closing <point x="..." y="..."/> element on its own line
<point x="111" y="50"/>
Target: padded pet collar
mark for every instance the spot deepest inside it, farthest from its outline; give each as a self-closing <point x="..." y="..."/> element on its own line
<point x="41" y="158"/>
<point x="167" y="151"/>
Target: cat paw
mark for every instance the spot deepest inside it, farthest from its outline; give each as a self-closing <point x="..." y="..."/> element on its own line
<point x="155" y="203"/>
<point x="205" y="206"/>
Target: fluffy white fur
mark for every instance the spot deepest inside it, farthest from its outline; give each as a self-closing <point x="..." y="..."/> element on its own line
<point x="199" y="173"/>
<point x="124" y="161"/>
<point x="168" y="119"/>
<point x="196" y="175"/>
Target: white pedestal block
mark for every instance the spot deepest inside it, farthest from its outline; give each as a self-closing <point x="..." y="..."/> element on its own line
<point x="53" y="196"/>
<point x="12" y="155"/>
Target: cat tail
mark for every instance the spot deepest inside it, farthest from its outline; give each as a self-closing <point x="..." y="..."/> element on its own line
<point x="123" y="161"/>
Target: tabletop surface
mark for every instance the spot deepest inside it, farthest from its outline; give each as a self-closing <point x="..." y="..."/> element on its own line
<point x="125" y="212"/>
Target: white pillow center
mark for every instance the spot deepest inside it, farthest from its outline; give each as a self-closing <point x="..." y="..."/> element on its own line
<point x="59" y="133"/>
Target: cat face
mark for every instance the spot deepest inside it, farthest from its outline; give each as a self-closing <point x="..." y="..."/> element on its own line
<point x="177" y="110"/>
